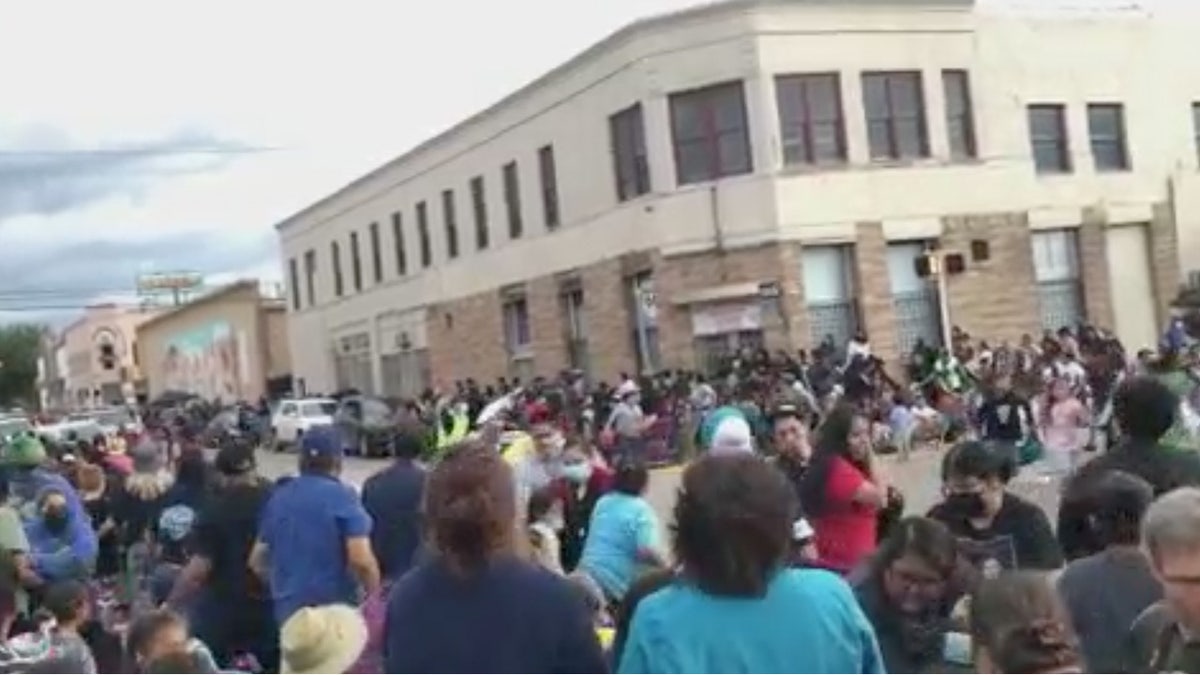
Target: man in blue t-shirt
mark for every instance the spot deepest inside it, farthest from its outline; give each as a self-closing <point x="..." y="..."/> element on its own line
<point x="314" y="545"/>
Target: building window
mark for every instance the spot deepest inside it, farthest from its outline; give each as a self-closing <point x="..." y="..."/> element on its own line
<point x="398" y="243"/>
<point x="627" y="136"/>
<point x="516" y="326"/>
<point x="710" y="133"/>
<point x="335" y="252"/>
<point x="574" y="327"/>
<point x="376" y="255"/>
<point x="310" y="276"/>
<point x="1106" y="131"/>
<point x="549" y="175"/>
<point x="451" y="219"/>
<point x="479" y="206"/>
<point x="829" y="293"/>
<point x="355" y="262"/>
<point x="895" y="110"/>
<point x="294" y="280"/>
<point x="915" y="302"/>
<point x="1196" y="126"/>
<point x="1056" y="270"/>
<point x="423" y="234"/>
<point x="512" y="200"/>
<point x="810" y="119"/>
<point x="960" y="116"/>
<point x="1048" y="136"/>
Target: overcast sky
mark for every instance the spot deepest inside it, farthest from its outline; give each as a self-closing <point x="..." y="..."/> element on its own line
<point x="137" y="136"/>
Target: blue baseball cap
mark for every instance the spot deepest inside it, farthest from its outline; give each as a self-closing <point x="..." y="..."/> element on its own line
<point x="322" y="440"/>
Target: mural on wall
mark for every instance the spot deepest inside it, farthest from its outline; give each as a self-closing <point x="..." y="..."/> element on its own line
<point x="209" y="361"/>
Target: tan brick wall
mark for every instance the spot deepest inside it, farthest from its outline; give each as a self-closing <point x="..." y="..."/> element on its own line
<point x="607" y="320"/>
<point x="997" y="299"/>
<point x="470" y="344"/>
<point x="874" y="287"/>
<point x="677" y="275"/>
<point x="546" y="325"/>
<point x="1164" y="260"/>
<point x="1093" y="263"/>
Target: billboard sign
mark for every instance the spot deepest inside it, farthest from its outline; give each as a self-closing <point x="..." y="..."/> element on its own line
<point x="169" y="282"/>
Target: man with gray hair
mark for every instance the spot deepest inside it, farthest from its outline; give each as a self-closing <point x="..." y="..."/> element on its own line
<point x="1166" y="637"/>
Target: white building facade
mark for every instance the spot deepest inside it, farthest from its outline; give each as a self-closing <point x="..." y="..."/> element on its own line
<point x="763" y="174"/>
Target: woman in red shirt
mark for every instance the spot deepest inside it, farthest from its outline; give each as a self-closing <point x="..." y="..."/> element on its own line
<point x="843" y="491"/>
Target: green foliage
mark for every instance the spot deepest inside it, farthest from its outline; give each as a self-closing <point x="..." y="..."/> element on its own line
<point x="19" y="347"/>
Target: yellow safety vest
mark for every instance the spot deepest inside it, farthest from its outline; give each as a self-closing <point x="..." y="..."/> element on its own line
<point x="457" y="434"/>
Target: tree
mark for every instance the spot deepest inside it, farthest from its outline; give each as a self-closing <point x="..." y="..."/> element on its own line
<point x="20" y="345"/>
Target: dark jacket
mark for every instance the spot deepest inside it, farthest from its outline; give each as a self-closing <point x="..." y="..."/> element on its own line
<point x="1163" y="469"/>
<point x="1157" y="645"/>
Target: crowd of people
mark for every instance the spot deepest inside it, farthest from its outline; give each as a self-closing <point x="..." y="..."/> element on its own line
<point x="790" y="547"/>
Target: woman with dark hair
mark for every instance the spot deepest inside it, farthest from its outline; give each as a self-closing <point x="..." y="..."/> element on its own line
<point x="1019" y="626"/>
<point x="996" y="528"/>
<point x="843" y="490"/>
<point x="736" y="606"/>
<point x="909" y="590"/>
<point x="624" y="537"/>
<point x="475" y="605"/>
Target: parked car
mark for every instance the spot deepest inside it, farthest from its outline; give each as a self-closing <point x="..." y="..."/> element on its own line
<point x="10" y="427"/>
<point x="367" y="424"/>
<point x="294" y="417"/>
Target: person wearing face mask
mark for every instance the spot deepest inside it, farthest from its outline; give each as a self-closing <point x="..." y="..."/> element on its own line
<point x="585" y="479"/>
<point x="54" y="553"/>
<point x="996" y="528"/>
<point x="909" y="589"/>
<point x="538" y="469"/>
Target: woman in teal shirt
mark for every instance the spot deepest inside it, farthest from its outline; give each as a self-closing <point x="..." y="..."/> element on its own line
<point x="736" y="607"/>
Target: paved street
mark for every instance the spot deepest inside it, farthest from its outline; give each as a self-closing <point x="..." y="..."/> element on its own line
<point x="918" y="479"/>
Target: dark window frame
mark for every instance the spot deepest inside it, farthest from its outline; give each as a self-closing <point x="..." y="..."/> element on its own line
<point x="1118" y="142"/>
<point x="511" y="176"/>
<point x="548" y="173"/>
<point x="376" y="253"/>
<point x="631" y="161"/>
<point x="517" y="326"/>
<point x="479" y="209"/>
<point x="1196" y="127"/>
<point x="339" y="283"/>
<point x="294" y="282"/>
<point x="1058" y="143"/>
<point x="398" y="247"/>
<point x="356" y="270"/>
<point x="956" y="84"/>
<point x="891" y="119"/>
<point x="799" y="119"/>
<point x="310" y="274"/>
<point x="705" y="105"/>
<point x="450" y="222"/>
<point x="426" y="245"/>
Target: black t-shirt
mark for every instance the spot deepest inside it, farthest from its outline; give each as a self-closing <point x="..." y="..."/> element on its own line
<point x="1019" y="537"/>
<point x="1000" y="417"/>
<point x="224" y="534"/>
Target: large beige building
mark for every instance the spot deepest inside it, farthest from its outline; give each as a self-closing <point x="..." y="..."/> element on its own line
<point x="765" y="173"/>
<point x="96" y="358"/>
<point x="228" y="345"/>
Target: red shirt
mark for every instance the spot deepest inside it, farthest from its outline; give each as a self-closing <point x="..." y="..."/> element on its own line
<point x="846" y="530"/>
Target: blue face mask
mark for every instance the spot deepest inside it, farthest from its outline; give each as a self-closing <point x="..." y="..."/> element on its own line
<point x="577" y="473"/>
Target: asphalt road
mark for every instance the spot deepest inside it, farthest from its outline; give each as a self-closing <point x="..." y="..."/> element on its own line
<point x="918" y="479"/>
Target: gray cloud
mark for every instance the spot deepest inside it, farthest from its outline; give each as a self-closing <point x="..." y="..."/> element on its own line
<point x="44" y="171"/>
<point x="51" y="285"/>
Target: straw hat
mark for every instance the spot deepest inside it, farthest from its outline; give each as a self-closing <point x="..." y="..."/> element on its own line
<point x="327" y="639"/>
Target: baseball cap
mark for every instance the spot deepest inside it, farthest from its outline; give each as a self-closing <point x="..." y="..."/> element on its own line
<point x="322" y="440"/>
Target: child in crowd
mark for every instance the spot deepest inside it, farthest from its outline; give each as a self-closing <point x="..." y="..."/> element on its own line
<point x="69" y="605"/>
<point x="159" y="633"/>
<point x="545" y="522"/>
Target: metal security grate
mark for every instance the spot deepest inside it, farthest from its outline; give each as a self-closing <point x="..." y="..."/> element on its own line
<point x="1061" y="303"/>
<point x="836" y="318"/>
<point x="917" y="318"/>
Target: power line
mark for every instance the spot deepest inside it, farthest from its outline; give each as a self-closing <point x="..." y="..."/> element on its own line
<point x="140" y="152"/>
